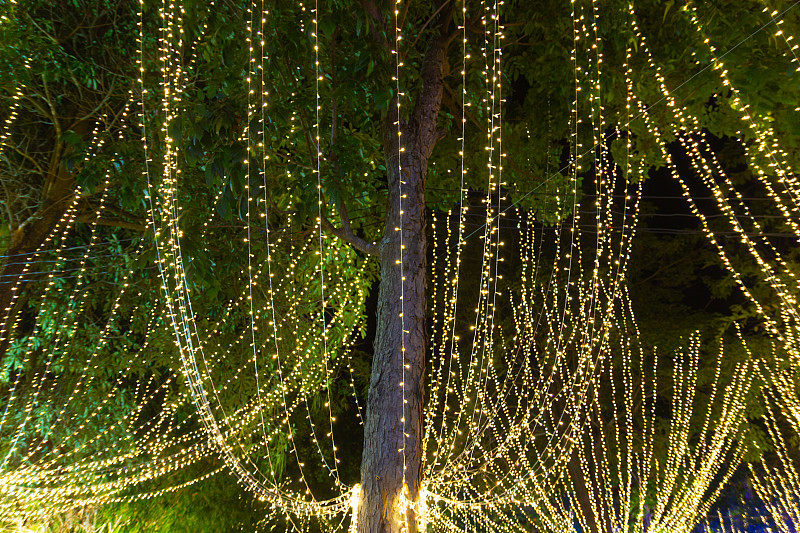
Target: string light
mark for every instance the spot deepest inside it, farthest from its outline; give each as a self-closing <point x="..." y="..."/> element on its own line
<point x="503" y="422"/>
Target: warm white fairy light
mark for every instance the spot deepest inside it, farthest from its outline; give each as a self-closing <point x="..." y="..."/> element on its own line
<point x="766" y="143"/>
<point x="173" y="251"/>
<point x="705" y="166"/>
<point x="7" y="329"/>
<point x="62" y="228"/>
<point x="41" y="377"/>
<point x="591" y="323"/>
<point x="448" y="344"/>
<point x="333" y="469"/>
<point x="47" y="460"/>
<point x="488" y="461"/>
<point x="701" y="164"/>
<point x="103" y="487"/>
<point x="778" y="486"/>
<point x="13" y="114"/>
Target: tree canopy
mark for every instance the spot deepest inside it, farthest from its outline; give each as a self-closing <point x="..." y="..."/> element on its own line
<point x="398" y="266"/>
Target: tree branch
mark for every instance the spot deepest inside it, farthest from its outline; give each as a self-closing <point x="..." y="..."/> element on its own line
<point x="26" y="156"/>
<point x="346" y="232"/>
<point x="449" y="99"/>
<point x="374" y="13"/>
<point x="425" y="114"/>
<point x="430" y="19"/>
<point x="94" y="111"/>
<point x="113" y="223"/>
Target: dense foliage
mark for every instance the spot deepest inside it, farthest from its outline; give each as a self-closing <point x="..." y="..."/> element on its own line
<point x="273" y="123"/>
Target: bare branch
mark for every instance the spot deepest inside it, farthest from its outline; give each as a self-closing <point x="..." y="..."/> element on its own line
<point x="97" y="108"/>
<point x="26" y="156"/>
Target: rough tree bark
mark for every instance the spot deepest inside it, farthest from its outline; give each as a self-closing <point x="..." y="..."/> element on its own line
<point x="392" y="462"/>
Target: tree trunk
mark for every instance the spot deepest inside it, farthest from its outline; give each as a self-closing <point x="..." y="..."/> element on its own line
<point x="580" y="488"/>
<point x="392" y="462"/>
